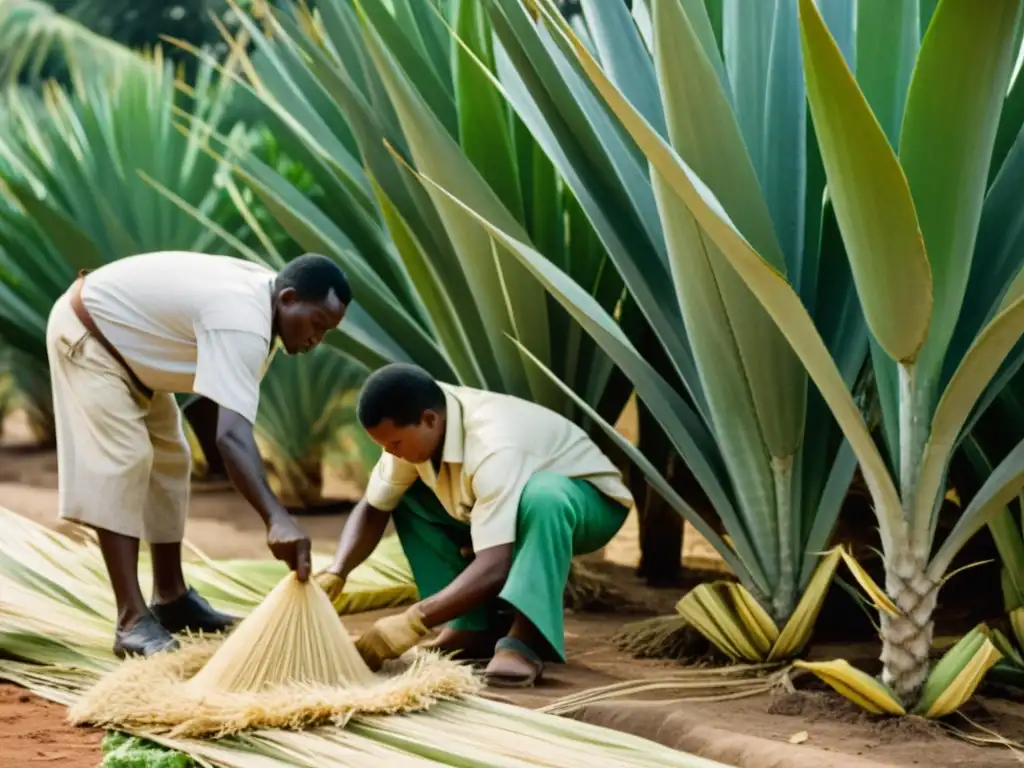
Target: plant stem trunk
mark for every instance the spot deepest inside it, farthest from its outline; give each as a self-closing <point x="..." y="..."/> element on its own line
<point x="661" y="527"/>
<point x="907" y="639"/>
<point x="661" y="539"/>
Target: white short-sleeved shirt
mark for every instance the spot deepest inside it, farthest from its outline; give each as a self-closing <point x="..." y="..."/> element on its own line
<point x="493" y="445"/>
<point x="188" y="322"/>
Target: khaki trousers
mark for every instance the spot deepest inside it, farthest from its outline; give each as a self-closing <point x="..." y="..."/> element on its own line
<point x="123" y="460"/>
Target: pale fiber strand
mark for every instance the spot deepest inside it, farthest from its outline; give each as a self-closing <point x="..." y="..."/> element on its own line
<point x="293" y="636"/>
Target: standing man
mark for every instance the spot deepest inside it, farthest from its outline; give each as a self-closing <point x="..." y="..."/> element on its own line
<point x="491" y="496"/>
<point x="121" y="341"/>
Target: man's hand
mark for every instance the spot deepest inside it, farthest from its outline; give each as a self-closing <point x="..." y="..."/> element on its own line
<point x="333" y="584"/>
<point x="392" y="636"/>
<point x="289" y="543"/>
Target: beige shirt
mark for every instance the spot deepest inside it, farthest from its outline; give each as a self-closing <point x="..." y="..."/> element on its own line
<point x="188" y="322"/>
<point x="493" y="445"/>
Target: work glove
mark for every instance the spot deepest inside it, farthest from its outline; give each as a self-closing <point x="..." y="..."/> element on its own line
<point x="333" y="585"/>
<point x="391" y="636"/>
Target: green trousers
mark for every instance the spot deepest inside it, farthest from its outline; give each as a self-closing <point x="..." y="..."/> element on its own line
<point x="558" y="517"/>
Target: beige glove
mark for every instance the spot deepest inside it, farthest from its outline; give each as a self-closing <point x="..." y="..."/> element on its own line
<point x="333" y="585"/>
<point x="391" y="636"/>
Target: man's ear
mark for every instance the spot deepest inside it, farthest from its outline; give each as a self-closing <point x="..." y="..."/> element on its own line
<point x="287" y="295"/>
<point x="429" y="418"/>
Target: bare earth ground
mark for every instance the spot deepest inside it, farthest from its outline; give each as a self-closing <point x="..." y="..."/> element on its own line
<point x="753" y="732"/>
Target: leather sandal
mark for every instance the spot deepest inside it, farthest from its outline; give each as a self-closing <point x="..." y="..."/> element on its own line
<point x="515" y="665"/>
<point x="145" y="637"/>
<point x="191" y="613"/>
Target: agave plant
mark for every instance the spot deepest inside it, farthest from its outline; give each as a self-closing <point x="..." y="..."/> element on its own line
<point x="37" y="42"/>
<point x="80" y="168"/>
<point x="85" y="175"/>
<point x="107" y="171"/>
<point x="25" y="386"/>
<point x="909" y="224"/>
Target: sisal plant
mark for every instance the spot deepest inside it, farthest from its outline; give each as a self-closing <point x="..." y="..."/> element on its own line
<point x="55" y="618"/>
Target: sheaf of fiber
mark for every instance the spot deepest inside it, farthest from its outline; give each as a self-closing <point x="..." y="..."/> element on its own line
<point x="289" y="664"/>
<point x="154" y="695"/>
<point x="293" y="636"/>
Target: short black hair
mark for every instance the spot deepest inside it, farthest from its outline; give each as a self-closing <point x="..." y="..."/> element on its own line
<point x="399" y="392"/>
<point x="312" y="276"/>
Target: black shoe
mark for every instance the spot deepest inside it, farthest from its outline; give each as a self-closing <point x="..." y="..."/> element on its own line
<point x="192" y="613"/>
<point x="144" y="638"/>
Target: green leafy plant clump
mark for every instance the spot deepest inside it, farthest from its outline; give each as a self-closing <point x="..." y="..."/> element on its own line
<point x="121" y="750"/>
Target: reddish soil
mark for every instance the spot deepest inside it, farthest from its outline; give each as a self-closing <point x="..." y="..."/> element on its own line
<point x="33" y="732"/>
<point x="753" y="732"/>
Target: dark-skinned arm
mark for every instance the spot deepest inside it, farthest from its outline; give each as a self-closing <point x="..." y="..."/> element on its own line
<point x="477" y="585"/>
<point x="244" y="466"/>
<point x="360" y="536"/>
<point x="498" y="484"/>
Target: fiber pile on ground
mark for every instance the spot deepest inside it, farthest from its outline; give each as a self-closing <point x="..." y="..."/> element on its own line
<point x="290" y="664"/>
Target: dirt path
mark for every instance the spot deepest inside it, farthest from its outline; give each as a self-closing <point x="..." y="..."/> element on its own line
<point x="752" y="732"/>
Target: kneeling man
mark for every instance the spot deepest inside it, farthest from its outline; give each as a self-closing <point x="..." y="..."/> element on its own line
<point x="491" y="496"/>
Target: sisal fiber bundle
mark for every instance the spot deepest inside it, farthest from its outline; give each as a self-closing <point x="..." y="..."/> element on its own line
<point x="293" y="636"/>
<point x="289" y="664"/>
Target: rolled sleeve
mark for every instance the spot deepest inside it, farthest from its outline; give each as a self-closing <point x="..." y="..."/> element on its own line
<point x="389" y="481"/>
<point x="498" y="484"/>
<point x="229" y="366"/>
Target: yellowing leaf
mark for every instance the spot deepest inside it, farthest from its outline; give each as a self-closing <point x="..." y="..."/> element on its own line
<point x="869" y="585"/>
<point x="968" y="675"/>
<point x="860" y="688"/>
<point x="798" y="629"/>
<point x="717" y="619"/>
<point x="755" y="618"/>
